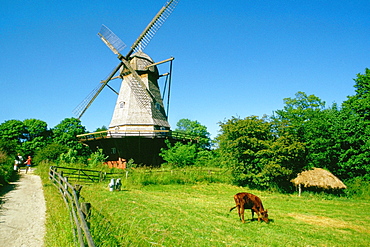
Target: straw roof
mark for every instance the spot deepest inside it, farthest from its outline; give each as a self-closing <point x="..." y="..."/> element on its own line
<point x="319" y="178"/>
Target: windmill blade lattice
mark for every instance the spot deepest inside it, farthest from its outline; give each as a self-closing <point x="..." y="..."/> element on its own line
<point x="111" y="40"/>
<point x="143" y="40"/>
<point x="82" y="107"/>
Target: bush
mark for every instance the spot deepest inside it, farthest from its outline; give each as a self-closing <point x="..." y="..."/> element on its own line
<point x="97" y="159"/>
<point x="358" y="188"/>
<point x="6" y="168"/>
<point x="69" y="157"/>
<point x="179" y="155"/>
<point x="50" y="152"/>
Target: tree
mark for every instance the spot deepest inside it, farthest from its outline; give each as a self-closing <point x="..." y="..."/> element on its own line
<point x="299" y="111"/>
<point x="65" y="133"/>
<point x="360" y="102"/>
<point x="194" y="128"/>
<point x="179" y="155"/>
<point x="354" y="141"/>
<point x="310" y="123"/>
<point x="355" y="131"/>
<point x="36" y="135"/>
<point x="50" y="152"/>
<point x="256" y="154"/>
<point x="13" y="130"/>
<point x="9" y="147"/>
<point x="103" y="128"/>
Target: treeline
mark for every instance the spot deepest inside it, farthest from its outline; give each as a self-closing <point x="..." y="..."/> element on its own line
<point x="269" y="151"/>
<point x="32" y="137"/>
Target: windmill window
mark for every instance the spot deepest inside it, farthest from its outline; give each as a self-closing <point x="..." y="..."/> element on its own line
<point x="121" y="104"/>
<point x="158" y="106"/>
<point x="113" y="150"/>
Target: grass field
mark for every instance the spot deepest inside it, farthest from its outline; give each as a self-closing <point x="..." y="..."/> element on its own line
<point x="198" y="215"/>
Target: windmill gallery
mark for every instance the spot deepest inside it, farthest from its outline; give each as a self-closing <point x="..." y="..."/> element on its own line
<point x="139" y="125"/>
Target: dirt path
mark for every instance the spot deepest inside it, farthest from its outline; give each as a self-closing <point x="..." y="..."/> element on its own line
<point x="22" y="213"/>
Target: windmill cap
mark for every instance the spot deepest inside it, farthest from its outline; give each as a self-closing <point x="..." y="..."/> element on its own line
<point x="140" y="60"/>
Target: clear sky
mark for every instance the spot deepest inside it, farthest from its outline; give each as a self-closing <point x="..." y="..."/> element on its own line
<point x="232" y="58"/>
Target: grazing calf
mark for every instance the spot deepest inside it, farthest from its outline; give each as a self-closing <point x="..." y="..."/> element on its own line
<point x="249" y="201"/>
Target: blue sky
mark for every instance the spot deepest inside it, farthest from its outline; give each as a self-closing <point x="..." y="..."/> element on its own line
<point x="232" y="58"/>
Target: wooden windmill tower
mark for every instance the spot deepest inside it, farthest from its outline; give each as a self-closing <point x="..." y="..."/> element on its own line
<point x="136" y="109"/>
<point x="139" y="109"/>
<point x="139" y="104"/>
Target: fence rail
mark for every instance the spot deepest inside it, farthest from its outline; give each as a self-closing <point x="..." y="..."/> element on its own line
<point x="142" y="133"/>
<point x="81" y="174"/>
<point x="71" y="196"/>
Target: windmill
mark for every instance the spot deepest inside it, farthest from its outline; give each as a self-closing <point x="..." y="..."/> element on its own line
<point x="139" y="105"/>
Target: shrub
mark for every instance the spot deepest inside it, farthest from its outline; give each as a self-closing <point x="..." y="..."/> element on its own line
<point x="69" y="157"/>
<point x="179" y="155"/>
<point x="50" y="152"/>
<point x="358" y="188"/>
<point x="6" y="168"/>
<point x="97" y="159"/>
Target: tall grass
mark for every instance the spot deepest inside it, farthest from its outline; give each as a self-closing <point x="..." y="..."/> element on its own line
<point x="58" y="223"/>
<point x="144" y="177"/>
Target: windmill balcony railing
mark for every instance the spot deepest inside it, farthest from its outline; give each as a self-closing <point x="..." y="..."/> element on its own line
<point x="138" y="133"/>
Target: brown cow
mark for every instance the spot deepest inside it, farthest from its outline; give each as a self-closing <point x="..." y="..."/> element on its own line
<point x="249" y="201"/>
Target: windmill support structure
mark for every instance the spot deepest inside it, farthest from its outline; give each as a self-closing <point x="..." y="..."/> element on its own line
<point x="141" y="146"/>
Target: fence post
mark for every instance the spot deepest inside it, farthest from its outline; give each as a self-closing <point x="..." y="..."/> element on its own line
<point x="86" y="210"/>
<point x="65" y="186"/>
<point x="78" y="189"/>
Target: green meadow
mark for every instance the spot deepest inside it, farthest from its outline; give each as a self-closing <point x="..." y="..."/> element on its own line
<point x="183" y="212"/>
<point x="198" y="215"/>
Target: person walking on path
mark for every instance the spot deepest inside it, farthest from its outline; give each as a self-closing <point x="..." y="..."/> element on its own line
<point x="28" y="163"/>
<point x="17" y="162"/>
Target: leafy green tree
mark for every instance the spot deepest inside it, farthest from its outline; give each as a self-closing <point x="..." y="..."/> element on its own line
<point x="36" y="136"/>
<point x="257" y="155"/>
<point x="179" y="155"/>
<point x="354" y="140"/>
<point x="11" y="147"/>
<point x="194" y="128"/>
<point x="312" y="124"/>
<point x="298" y="112"/>
<point x="13" y="130"/>
<point x="355" y="131"/>
<point x="360" y="102"/>
<point x="65" y="133"/>
<point x="50" y="152"/>
<point x="103" y="128"/>
<point x="239" y="142"/>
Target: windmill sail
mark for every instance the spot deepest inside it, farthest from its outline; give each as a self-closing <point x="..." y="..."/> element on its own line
<point x="143" y="94"/>
<point x="111" y="40"/>
<point x="85" y="104"/>
<point x="145" y="37"/>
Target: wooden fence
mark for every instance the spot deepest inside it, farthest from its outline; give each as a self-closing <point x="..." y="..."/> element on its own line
<point x="71" y="196"/>
<point x="83" y="175"/>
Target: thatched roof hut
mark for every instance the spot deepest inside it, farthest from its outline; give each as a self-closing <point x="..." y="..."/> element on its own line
<point x="318" y="178"/>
